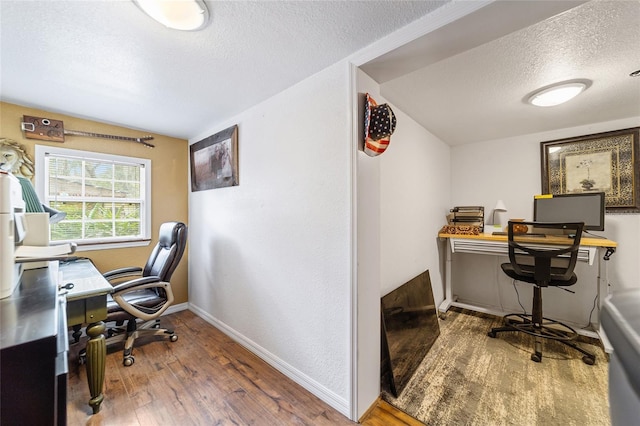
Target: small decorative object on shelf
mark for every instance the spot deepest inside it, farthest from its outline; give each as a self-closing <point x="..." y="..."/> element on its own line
<point x="461" y="230"/>
<point x="520" y="228"/>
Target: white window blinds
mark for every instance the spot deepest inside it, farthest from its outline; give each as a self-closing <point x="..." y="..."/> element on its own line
<point x="105" y="197"/>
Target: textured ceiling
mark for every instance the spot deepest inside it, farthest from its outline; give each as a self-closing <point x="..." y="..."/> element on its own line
<point x="106" y="60"/>
<point x="465" y="82"/>
<point x="478" y="94"/>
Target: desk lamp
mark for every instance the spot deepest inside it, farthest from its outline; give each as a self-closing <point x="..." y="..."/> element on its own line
<point x="500" y="207"/>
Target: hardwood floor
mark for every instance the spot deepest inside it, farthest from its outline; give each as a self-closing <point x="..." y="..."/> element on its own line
<point x="204" y="378"/>
<point x="384" y="414"/>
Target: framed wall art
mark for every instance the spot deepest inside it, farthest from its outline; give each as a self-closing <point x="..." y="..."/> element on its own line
<point x="604" y="162"/>
<point x="214" y="161"/>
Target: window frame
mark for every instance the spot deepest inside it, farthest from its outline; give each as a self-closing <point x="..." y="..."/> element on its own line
<point x="41" y="151"/>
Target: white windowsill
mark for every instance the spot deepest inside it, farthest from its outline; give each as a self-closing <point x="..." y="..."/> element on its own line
<point x="113" y="245"/>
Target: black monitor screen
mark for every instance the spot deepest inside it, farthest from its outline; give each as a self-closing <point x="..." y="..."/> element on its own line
<point x="586" y="207"/>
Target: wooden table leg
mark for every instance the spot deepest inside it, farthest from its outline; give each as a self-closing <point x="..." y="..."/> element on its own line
<point x="96" y="359"/>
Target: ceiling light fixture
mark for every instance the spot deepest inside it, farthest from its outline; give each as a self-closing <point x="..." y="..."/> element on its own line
<point x="557" y="93"/>
<point x="184" y="15"/>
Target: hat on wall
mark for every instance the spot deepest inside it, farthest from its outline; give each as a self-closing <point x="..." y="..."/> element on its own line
<point x="379" y="125"/>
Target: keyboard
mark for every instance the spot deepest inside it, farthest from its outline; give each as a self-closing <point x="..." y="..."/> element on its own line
<point x="520" y="235"/>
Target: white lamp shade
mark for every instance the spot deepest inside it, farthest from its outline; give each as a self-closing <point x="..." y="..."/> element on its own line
<point x="500" y="207"/>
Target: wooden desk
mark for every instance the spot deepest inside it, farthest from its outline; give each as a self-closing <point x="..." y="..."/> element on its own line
<point x="497" y="245"/>
<point x="87" y="304"/>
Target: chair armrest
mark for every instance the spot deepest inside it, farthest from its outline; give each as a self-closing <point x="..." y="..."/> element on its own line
<point x="140" y="284"/>
<point x="137" y="284"/>
<point x="122" y="273"/>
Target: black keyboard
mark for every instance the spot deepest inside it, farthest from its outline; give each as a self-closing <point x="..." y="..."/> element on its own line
<point x="520" y="235"/>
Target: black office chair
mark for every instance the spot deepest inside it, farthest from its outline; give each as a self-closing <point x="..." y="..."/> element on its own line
<point x="141" y="301"/>
<point x="550" y="264"/>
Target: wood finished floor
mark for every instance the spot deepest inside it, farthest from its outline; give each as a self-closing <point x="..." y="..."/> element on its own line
<point x="204" y="378"/>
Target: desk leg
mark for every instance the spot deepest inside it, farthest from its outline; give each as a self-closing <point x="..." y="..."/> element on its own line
<point x="96" y="359"/>
<point x="448" y="292"/>
<point x="603" y="292"/>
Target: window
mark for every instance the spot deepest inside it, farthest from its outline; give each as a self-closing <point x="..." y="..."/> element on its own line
<point x="106" y="198"/>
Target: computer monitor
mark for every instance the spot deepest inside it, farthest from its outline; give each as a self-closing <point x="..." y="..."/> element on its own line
<point x="585" y="207"/>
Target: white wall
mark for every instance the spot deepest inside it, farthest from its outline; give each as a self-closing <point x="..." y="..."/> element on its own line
<point x="403" y="198"/>
<point x="413" y="180"/>
<point x="270" y="259"/>
<point x="415" y="197"/>
<point x="368" y="260"/>
<point x="509" y="169"/>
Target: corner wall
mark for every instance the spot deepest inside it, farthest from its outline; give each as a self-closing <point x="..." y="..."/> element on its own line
<point x="271" y="258"/>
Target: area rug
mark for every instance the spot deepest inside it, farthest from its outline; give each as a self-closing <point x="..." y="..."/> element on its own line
<point x="468" y="378"/>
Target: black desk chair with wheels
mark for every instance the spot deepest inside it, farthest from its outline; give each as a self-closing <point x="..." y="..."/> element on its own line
<point x="547" y="265"/>
<point x="141" y="301"/>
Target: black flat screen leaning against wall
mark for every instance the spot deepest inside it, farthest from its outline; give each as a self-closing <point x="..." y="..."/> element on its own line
<point x="585" y="207"/>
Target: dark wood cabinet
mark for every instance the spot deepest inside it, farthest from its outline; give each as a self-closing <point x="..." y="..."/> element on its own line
<point x="33" y="357"/>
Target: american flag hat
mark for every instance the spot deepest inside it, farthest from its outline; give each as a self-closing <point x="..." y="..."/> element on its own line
<point x="379" y="125"/>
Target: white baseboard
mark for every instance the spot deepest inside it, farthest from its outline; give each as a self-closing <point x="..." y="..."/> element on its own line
<point x="176" y="308"/>
<point x="326" y="395"/>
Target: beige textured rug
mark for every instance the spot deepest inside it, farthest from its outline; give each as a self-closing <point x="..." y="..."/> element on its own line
<point x="468" y="378"/>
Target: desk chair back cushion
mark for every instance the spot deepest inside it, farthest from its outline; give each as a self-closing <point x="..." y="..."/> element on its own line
<point x="167" y="253"/>
<point x="548" y="265"/>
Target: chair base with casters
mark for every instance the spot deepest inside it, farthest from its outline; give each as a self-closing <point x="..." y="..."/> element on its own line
<point x="124" y="327"/>
<point x="128" y="334"/>
<point x="542" y="328"/>
<point x="139" y="308"/>
<point x="546" y="263"/>
<point x="133" y="330"/>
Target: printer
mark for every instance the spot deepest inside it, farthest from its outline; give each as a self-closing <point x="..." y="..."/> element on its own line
<point x="12" y="231"/>
<point x="24" y="235"/>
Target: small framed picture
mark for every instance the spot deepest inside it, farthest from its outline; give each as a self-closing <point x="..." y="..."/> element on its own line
<point x="603" y="162"/>
<point x="214" y="161"/>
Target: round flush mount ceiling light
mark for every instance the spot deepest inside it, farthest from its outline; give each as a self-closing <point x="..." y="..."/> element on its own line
<point x="558" y="93"/>
<point x="184" y="15"/>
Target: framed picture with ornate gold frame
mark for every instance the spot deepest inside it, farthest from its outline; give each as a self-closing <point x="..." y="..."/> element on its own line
<point x="604" y="162"/>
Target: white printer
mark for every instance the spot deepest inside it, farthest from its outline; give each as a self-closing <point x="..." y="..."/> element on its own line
<point x="12" y="231"/>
